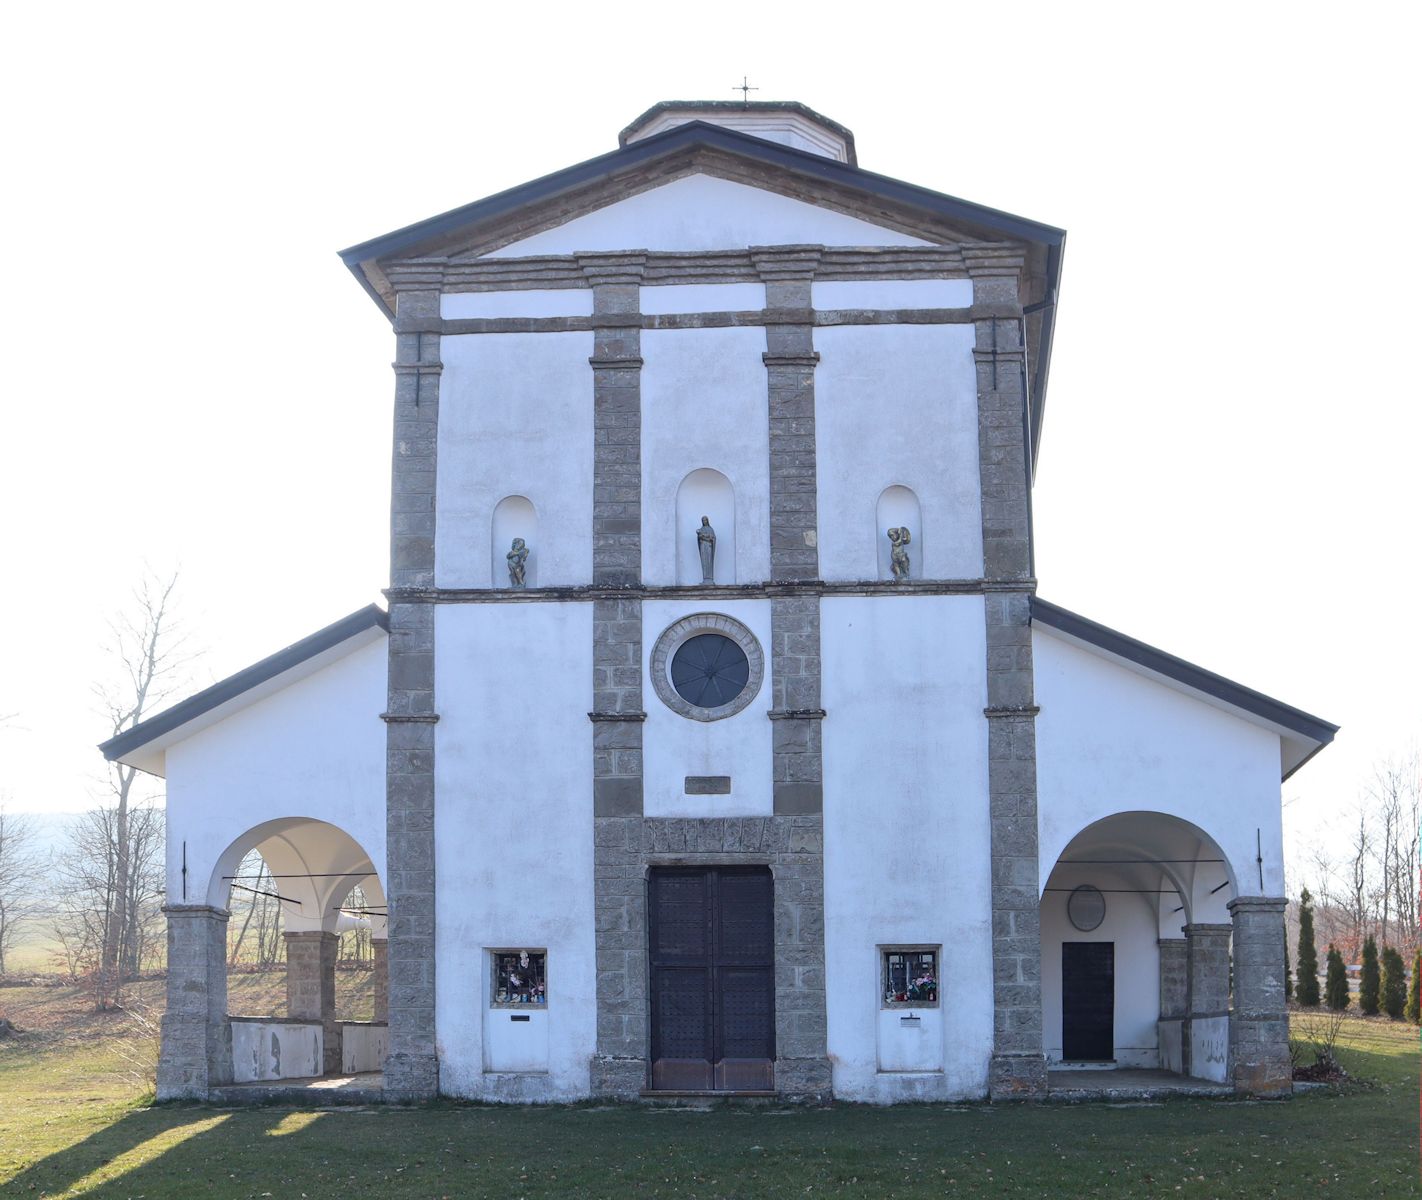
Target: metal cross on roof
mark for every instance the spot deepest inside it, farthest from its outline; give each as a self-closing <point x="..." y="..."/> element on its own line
<point x="745" y="90"/>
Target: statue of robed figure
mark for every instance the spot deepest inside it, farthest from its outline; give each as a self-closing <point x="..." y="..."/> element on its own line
<point x="518" y="562"/>
<point x="706" y="547"/>
<point x="898" y="554"/>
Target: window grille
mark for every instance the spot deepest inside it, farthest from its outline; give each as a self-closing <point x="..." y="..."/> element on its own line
<point x="910" y="978"/>
<point x="520" y="978"/>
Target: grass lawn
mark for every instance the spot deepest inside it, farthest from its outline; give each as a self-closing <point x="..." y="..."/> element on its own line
<point x="72" y="1123"/>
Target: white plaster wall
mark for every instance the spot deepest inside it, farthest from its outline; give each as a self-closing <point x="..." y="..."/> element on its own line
<point x="276" y="1049"/>
<point x="515" y="419"/>
<point x="1111" y="740"/>
<point x="674" y="746"/>
<point x="897" y="404"/>
<point x="906" y="828"/>
<point x="702" y="212"/>
<point x="703" y="297"/>
<point x="553" y="302"/>
<point x="314" y="749"/>
<point x="515" y="1042"/>
<point x="1209" y="1048"/>
<point x="513" y="823"/>
<point x="892" y="293"/>
<point x="1130" y="923"/>
<point x="704" y="405"/>
<point x="364" y="1045"/>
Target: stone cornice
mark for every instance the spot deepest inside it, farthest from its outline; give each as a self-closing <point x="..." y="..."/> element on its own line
<point x="586" y="593"/>
<point x="634" y="717"/>
<point x="747" y="318"/>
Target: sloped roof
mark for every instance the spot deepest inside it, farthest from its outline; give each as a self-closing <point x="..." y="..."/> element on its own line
<point x="1302" y="734"/>
<point x="229" y="692"/>
<point x="989" y="223"/>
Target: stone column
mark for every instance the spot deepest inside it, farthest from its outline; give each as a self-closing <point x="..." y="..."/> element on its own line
<point x="311" y="988"/>
<point x="1018" y="1069"/>
<point x="196" y="1048"/>
<point x="1174" y="979"/>
<point x="619" y="1066"/>
<point x="1207" y="981"/>
<point x="380" y="978"/>
<point x="1259" y="1024"/>
<point x="802" y="1066"/>
<point x="412" y="1065"/>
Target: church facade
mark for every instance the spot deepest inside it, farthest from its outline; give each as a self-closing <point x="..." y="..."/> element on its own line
<point x="715" y="739"/>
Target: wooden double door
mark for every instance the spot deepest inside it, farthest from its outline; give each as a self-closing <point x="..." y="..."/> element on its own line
<point x="1088" y="1001"/>
<point x="712" y="957"/>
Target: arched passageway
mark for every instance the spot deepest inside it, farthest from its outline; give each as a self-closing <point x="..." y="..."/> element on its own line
<point x="1138" y="916"/>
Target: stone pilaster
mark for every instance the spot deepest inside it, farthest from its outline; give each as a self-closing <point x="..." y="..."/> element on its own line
<point x="619" y="1067"/>
<point x="412" y="1065"/>
<point x="196" y="1048"/>
<point x="1018" y="1068"/>
<point x="1174" y="979"/>
<point x="1207" y="979"/>
<point x="380" y="978"/>
<point x="1259" y="1025"/>
<point x="311" y="988"/>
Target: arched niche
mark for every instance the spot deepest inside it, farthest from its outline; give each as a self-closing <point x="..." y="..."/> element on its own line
<point x="514" y="517"/>
<point x="898" y="508"/>
<point x="705" y="493"/>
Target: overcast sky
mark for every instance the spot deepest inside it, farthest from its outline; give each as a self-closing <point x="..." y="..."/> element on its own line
<point x="193" y="378"/>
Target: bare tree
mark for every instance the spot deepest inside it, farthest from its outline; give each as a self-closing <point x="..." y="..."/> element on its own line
<point x="117" y="848"/>
<point x="20" y="875"/>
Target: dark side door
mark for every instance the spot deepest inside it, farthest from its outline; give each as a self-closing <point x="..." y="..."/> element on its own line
<point x="712" y="949"/>
<point x="1088" y="1001"/>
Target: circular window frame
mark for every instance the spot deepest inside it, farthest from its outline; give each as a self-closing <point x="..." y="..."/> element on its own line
<point x="670" y="641"/>
<point x="1085" y="891"/>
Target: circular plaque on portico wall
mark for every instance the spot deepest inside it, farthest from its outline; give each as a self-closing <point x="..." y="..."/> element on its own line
<point x="1086" y="908"/>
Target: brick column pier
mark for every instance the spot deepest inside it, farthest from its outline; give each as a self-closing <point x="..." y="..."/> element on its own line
<point x="1259" y="1025"/>
<point x="196" y="1051"/>
<point x="311" y="988"/>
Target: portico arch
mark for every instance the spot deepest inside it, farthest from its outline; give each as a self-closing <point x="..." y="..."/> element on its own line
<point x="313" y="866"/>
<point x="1149" y="985"/>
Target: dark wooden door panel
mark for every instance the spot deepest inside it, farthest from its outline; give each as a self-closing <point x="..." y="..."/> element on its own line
<point x="1088" y="1001"/>
<point x="712" y="947"/>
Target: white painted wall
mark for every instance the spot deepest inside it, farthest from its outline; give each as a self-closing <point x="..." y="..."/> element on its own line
<point x="1110" y="740"/>
<point x="704" y="405"/>
<point x="364" y="1045"/>
<point x="276" y="1049"/>
<point x="674" y="746"/>
<point x="513" y="822"/>
<point x="1130" y="923"/>
<point x="703" y="297"/>
<point x="892" y="293"/>
<point x="702" y="212"/>
<point x="552" y="302"/>
<point x="906" y="829"/>
<point x="897" y="404"/>
<point x="315" y="749"/>
<point x="515" y="419"/>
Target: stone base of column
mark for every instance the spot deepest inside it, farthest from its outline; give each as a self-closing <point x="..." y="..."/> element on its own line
<point x="1259" y="1063"/>
<point x="195" y="1052"/>
<point x="807" y="1080"/>
<point x="411" y="1078"/>
<point x="1017" y="1077"/>
<point x="193" y="1058"/>
<point x="617" y="1078"/>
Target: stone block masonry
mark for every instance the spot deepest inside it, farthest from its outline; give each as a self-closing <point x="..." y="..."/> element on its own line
<point x="196" y="1038"/>
<point x="1018" y="1069"/>
<point x="311" y="988"/>
<point x="1259" y="1061"/>
<point x="412" y="1065"/>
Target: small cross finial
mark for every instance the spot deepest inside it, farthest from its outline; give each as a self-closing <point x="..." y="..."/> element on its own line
<point x="745" y="90"/>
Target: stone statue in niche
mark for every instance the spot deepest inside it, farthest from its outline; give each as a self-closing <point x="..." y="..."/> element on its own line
<point x="706" y="547"/>
<point x="518" y="562"/>
<point x="898" y="554"/>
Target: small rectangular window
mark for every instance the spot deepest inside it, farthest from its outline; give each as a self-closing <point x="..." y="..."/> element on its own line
<point x="520" y="978"/>
<point x="910" y="977"/>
